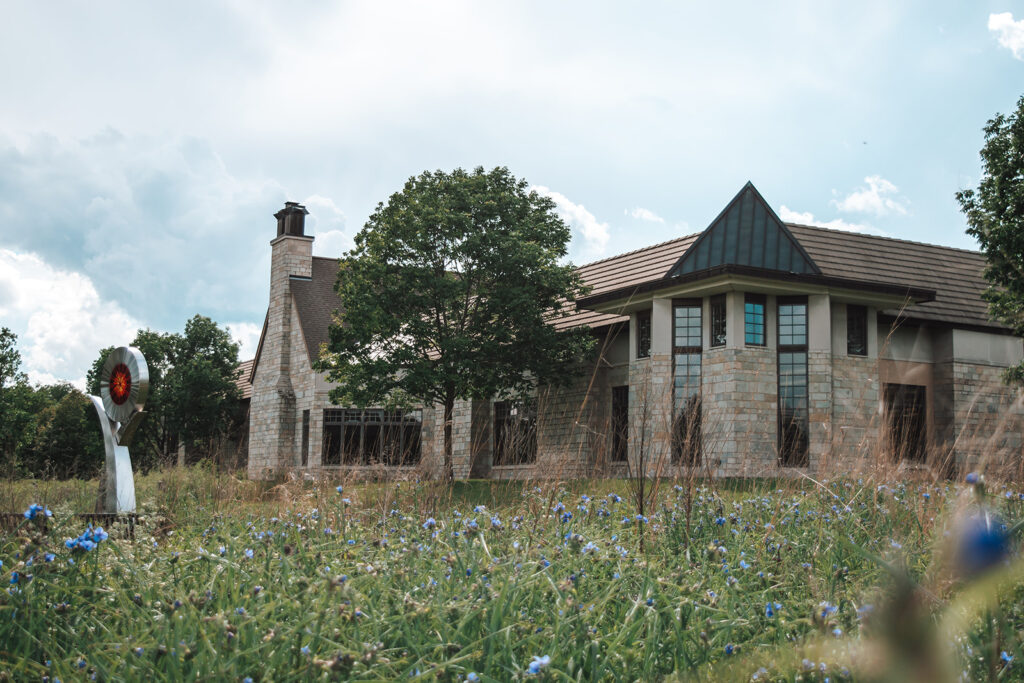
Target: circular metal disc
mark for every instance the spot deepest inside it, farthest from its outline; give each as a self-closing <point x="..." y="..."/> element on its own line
<point x="124" y="383"/>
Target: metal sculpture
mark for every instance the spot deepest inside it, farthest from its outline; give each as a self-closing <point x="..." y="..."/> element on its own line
<point x="124" y="385"/>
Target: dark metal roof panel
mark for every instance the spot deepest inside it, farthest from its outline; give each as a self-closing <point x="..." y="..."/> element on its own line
<point x="746" y="233"/>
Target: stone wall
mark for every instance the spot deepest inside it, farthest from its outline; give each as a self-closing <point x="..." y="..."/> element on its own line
<point x="989" y="420"/>
<point x="855" y="411"/>
<point x="740" y="411"/>
<point x="650" y="414"/>
<point x="273" y="407"/>
<point x="819" y="405"/>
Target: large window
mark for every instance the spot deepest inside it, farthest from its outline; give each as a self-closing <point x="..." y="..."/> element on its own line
<point x="515" y="432"/>
<point x="370" y="437"/>
<point x="753" y="320"/>
<point x="620" y="424"/>
<point x="793" y="408"/>
<point x="305" y="438"/>
<point x="856" y="330"/>
<point x="906" y="413"/>
<point x="643" y="334"/>
<point x="717" y="306"/>
<point x="686" y="351"/>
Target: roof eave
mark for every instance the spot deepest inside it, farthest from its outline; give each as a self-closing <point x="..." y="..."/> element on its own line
<point x="606" y="301"/>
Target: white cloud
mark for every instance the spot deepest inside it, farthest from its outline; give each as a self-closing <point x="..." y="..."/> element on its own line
<point x="646" y="215"/>
<point x="880" y="198"/>
<point x="1010" y="33"/>
<point x="807" y="218"/>
<point x="326" y="222"/>
<point x="247" y="336"/>
<point x="60" y="318"/>
<point x="594" y="232"/>
<point x="158" y="224"/>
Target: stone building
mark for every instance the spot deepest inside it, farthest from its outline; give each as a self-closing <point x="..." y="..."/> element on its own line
<point x="754" y="348"/>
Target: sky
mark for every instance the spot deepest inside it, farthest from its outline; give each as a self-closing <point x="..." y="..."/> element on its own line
<point x="144" y="147"/>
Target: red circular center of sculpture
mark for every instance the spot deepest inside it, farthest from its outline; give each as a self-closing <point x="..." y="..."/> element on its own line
<point x="120" y="384"/>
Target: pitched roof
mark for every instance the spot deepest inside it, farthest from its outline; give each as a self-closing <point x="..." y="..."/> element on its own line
<point x="955" y="275"/>
<point x="315" y="302"/>
<point x="625" y="270"/>
<point x="746" y="233"/>
<point x="242" y="380"/>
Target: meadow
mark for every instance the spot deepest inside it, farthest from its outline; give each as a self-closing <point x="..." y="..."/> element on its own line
<point x="847" y="579"/>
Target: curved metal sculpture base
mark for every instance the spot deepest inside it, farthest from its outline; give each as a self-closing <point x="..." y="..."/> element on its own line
<point x="119" y="491"/>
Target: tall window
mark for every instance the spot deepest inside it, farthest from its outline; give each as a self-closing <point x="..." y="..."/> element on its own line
<point x="906" y="412"/>
<point x="686" y="350"/>
<point x="305" y="437"/>
<point x="856" y="330"/>
<point x="620" y="424"/>
<point x="753" y="320"/>
<point x="793" y="409"/>
<point x="515" y="432"/>
<point x="643" y="334"/>
<point x="717" y="306"/>
<point x="369" y="437"/>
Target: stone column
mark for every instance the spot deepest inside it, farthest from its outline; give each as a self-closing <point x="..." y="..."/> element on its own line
<point x="273" y="414"/>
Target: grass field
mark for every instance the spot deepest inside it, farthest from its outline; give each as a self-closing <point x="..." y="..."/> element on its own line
<point x="234" y="580"/>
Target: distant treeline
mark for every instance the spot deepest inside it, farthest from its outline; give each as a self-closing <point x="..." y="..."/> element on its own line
<point x="194" y="407"/>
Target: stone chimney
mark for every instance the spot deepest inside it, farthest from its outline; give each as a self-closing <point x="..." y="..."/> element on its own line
<point x="273" y="414"/>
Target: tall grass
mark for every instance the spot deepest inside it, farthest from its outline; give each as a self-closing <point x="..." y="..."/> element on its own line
<point x="369" y="589"/>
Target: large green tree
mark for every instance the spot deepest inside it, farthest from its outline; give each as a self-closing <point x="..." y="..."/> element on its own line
<point x="448" y="295"/>
<point x="193" y="399"/>
<point x="18" y="403"/>
<point x="995" y="216"/>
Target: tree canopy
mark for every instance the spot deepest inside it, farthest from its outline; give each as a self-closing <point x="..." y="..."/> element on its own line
<point x="995" y="216"/>
<point x="193" y="399"/>
<point x="448" y="295"/>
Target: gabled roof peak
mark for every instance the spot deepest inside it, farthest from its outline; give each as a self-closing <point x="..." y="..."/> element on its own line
<point x="746" y="233"/>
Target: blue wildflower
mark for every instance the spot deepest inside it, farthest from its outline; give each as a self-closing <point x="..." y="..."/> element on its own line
<point x="34" y="510"/>
<point x="248" y="553"/>
<point x="472" y="677"/>
<point x="982" y="544"/>
<point x="972" y="478"/>
<point x="305" y="648"/>
<point x="430" y="523"/>
<point x="730" y="648"/>
<point x="339" y="489"/>
<point x="1005" y="656"/>
<point x="538" y="663"/>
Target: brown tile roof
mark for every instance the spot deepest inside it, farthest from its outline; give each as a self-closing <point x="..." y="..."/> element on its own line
<point x="954" y="274"/>
<point x="315" y="302"/>
<point x="242" y="378"/>
<point x="631" y="268"/>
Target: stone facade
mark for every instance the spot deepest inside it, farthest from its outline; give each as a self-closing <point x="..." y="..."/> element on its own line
<point x="740" y="400"/>
<point x="274" y="406"/>
<point x="987" y="418"/>
<point x="972" y="419"/>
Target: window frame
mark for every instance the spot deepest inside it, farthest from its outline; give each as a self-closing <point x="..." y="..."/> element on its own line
<point x="644" y="327"/>
<point x="520" y="415"/>
<point x="859" y="313"/>
<point x="368" y="436"/>
<point x="788" y="455"/>
<point x="686" y="417"/>
<point x="751" y="299"/>
<point x="620" y="424"/>
<point x="718" y="315"/>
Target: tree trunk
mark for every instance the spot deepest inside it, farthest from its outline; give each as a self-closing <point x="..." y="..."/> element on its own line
<point x="449" y="408"/>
